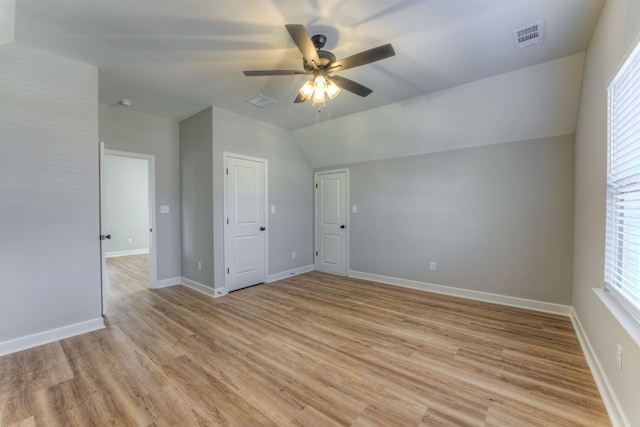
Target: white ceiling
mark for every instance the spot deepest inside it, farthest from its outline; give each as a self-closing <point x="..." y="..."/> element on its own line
<point x="175" y="58"/>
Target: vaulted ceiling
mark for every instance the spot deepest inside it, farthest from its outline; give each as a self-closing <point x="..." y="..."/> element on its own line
<point x="174" y="58"/>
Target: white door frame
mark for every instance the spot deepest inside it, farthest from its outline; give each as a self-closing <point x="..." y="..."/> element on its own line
<point x="152" y="215"/>
<point x="103" y="267"/>
<point x="225" y="156"/>
<point x="346" y="215"/>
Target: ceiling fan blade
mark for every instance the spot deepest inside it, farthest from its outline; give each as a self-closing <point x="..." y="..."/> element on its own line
<point x="305" y="45"/>
<point x="273" y="72"/>
<point x="299" y="99"/>
<point x="351" y="86"/>
<point x="364" y="57"/>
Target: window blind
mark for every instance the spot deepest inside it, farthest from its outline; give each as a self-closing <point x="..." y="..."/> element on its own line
<point x="622" y="259"/>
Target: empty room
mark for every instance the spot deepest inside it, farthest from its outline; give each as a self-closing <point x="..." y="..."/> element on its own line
<point x="320" y="213"/>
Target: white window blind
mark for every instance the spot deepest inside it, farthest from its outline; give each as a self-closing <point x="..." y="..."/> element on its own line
<point x="622" y="261"/>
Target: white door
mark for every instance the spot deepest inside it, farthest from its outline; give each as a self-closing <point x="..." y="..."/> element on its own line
<point x="331" y="221"/>
<point x="245" y="222"/>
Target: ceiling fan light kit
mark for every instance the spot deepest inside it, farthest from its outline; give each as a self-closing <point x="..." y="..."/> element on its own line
<point x="318" y="88"/>
<point x="322" y="64"/>
<point x="332" y="89"/>
<point x="307" y="89"/>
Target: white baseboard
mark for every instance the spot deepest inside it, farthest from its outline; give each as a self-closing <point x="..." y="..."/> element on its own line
<point x="203" y="289"/>
<point x="616" y="414"/>
<point x="167" y="282"/>
<point x="126" y="253"/>
<point x="546" y="307"/>
<point x="289" y="273"/>
<point x="40" y="338"/>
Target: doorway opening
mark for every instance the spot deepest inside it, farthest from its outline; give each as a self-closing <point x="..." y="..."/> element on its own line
<point x="127" y="222"/>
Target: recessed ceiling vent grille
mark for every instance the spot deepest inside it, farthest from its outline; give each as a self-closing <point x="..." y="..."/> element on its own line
<point x="529" y="36"/>
<point x="260" y="101"/>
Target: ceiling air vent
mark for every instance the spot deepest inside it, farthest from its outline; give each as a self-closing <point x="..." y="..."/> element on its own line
<point x="530" y="35"/>
<point x="260" y="101"/>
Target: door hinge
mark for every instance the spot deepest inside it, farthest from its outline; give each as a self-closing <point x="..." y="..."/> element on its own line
<point x="227" y="171"/>
<point x="316" y="253"/>
<point x="151" y="230"/>
<point x="227" y="270"/>
<point x="227" y="221"/>
<point x="316" y="185"/>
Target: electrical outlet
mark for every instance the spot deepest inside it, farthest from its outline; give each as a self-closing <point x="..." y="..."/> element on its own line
<point x="432" y="266"/>
<point x="130" y="240"/>
<point x="293" y="255"/>
<point x="619" y="357"/>
<point x="199" y="265"/>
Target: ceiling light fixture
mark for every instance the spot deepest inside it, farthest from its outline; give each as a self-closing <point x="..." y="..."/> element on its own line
<point x="317" y="88"/>
<point x="125" y="102"/>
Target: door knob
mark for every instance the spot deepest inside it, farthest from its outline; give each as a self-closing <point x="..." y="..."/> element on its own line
<point x="342" y="226"/>
<point x="262" y="228"/>
<point x="103" y="237"/>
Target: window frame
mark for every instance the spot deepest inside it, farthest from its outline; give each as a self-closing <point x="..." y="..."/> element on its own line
<point x="614" y="246"/>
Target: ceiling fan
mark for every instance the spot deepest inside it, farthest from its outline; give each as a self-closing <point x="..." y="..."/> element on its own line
<point x="322" y="65"/>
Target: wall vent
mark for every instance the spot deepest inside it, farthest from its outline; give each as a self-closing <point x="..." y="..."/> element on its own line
<point x="529" y="35"/>
<point x="260" y="101"/>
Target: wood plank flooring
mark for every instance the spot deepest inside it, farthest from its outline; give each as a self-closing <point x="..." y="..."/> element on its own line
<point x="312" y="350"/>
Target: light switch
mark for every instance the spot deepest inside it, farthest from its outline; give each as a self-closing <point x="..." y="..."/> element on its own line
<point x="354" y="209"/>
<point x="164" y="209"/>
<point x="273" y="208"/>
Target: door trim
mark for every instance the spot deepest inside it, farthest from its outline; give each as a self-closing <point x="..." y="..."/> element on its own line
<point x="152" y="213"/>
<point x="101" y="231"/>
<point x="346" y="215"/>
<point x="225" y="156"/>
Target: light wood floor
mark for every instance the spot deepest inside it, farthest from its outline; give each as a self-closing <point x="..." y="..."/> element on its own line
<point x="312" y="350"/>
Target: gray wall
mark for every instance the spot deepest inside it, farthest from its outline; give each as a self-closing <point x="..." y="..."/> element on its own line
<point x="126" y="187"/>
<point x="290" y="181"/>
<point x="126" y="130"/>
<point x="196" y="197"/>
<point x="495" y="219"/>
<point x="49" y="247"/>
<point x="619" y="23"/>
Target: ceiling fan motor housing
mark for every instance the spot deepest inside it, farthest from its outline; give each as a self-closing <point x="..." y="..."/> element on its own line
<point x="325" y="56"/>
<point x="319" y="41"/>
